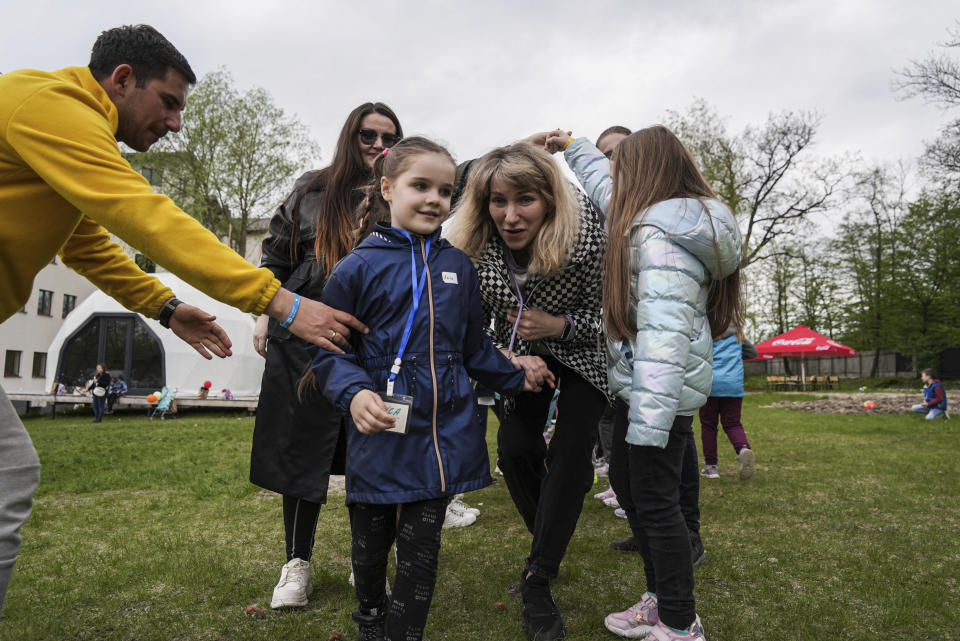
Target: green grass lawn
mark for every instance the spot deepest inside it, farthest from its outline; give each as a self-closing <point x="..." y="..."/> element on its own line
<point x="150" y="530"/>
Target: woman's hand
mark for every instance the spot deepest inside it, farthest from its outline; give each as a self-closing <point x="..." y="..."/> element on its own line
<point x="540" y="139"/>
<point x="369" y="413"/>
<point x="535" y="370"/>
<point x="315" y="322"/>
<point x="536" y="324"/>
<point x="260" y="335"/>
<point x="196" y="328"/>
<point x="556" y="141"/>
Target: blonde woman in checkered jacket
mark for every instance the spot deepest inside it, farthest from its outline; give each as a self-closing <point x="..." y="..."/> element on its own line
<point x="538" y="247"/>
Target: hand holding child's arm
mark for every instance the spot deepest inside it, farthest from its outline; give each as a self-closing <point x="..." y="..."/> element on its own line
<point x="535" y="371"/>
<point x="369" y="413"/>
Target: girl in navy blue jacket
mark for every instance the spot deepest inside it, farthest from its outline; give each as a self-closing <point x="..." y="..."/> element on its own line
<point x="416" y="437"/>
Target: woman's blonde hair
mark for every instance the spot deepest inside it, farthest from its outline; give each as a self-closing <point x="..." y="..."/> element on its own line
<point x="526" y="168"/>
<point x="651" y="166"/>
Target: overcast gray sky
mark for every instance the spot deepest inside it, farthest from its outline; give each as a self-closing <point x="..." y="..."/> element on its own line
<point x="480" y="74"/>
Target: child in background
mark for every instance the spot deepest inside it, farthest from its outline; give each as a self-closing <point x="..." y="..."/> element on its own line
<point x="117" y="389"/>
<point x="415" y="439"/>
<point x="934" y="403"/>
<point x="725" y="404"/>
<point x="671" y="274"/>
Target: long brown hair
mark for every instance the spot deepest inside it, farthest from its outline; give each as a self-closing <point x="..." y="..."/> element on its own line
<point x="526" y="168"/>
<point x="651" y="166"/>
<point x="338" y="183"/>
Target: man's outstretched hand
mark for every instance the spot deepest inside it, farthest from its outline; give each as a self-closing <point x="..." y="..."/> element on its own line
<point x="196" y="328"/>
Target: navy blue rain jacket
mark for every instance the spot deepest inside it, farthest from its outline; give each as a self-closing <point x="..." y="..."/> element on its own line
<point x="444" y="450"/>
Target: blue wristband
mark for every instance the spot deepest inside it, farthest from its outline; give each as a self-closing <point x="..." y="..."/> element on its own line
<point x="293" y="312"/>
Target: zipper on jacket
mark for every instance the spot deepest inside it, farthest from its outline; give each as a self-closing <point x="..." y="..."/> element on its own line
<point x="433" y="372"/>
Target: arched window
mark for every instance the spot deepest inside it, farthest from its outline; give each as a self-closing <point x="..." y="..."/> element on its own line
<point x="124" y="342"/>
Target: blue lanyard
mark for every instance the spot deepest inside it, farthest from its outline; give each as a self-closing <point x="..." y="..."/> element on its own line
<point x="417" y="293"/>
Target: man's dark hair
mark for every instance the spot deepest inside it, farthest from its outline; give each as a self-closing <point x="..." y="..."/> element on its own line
<point x="616" y="129"/>
<point x="932" y="373"/>
<point x="143" y="48"/>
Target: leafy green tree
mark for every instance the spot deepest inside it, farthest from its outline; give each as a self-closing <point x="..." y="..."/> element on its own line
<point x="927" y="295"/>
<point x="234" y="158"/>
<point x="870" y="244"/>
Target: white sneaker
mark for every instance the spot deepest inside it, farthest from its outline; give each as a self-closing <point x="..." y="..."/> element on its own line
<point x="294" y="585"/>
<point x="457" y="517"/>
<point x="746" y="459"/>
<point x="458" y="502"/>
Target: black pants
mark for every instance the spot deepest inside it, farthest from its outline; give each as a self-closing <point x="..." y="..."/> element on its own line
<point x="416" y="528"/>
<point x="299" y="526"/>
<point x="689" y="475"/>
<point x="548" y="484"/>
<point x="657" y="522"/>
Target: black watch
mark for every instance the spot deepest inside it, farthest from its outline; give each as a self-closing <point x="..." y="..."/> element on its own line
<point x="567" y="332"/>
<point x="166" y="312"/>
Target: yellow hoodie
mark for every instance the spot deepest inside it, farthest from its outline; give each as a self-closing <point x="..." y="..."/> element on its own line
<point x="63" y="184"/>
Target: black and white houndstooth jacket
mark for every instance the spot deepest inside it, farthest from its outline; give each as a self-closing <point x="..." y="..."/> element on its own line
<point x="575" y="291"/>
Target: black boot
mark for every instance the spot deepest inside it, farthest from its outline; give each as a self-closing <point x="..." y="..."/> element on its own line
<point x="629" y="544"/>
<point x="541" y="617"/>
<point x="369" y="624"/>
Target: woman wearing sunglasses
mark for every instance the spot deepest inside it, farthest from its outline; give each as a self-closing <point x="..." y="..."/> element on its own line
<point x="299" y="440"/>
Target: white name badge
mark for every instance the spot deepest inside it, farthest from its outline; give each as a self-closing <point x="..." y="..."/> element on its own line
<point x="398" y="407"/>
<point x="450" y="277"/>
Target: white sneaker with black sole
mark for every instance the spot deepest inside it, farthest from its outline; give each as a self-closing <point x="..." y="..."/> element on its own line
<point x="294" y="585"/>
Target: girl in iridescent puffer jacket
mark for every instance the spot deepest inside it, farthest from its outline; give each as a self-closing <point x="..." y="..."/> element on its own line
<point x="671" y="281"/>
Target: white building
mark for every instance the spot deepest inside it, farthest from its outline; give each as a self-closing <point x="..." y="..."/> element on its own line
<point x="149" y="356"/>
<point x="25" y="337"/>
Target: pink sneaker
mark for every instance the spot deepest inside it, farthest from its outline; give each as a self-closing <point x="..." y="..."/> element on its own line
<point x="637" y="622"/>
<point x="660" y="632"/>
<point x="606" y="494"/>
<point x="611" y="502"/>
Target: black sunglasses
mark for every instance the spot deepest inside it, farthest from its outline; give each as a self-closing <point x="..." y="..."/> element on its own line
<point x="369" y="136"/>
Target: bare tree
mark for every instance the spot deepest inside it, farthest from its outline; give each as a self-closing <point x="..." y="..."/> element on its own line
<point x="766" y="174"/>
<point x="936" y="79"/>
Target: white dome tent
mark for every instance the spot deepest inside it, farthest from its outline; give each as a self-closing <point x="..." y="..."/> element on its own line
<point x="150" y="356"/>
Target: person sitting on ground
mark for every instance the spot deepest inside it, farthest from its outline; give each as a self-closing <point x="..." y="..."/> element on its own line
<point x="934" y="402"/>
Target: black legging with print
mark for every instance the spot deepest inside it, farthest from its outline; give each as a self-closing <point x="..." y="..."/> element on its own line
<point x="416" y="529"/>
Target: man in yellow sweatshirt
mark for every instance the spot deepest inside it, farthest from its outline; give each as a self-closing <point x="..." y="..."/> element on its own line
<point x="64" y="187"/>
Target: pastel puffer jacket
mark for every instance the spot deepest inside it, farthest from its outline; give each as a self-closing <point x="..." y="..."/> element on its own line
<point x="676" y="247"/>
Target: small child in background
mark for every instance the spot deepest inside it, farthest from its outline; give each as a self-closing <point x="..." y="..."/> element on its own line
<point x="934" y="403"/>
<point x="726" y="404"/>
<point x="416" y="438"/>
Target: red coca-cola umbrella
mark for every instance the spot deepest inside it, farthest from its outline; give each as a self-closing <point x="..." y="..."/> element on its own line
<point x="802" y="341"/>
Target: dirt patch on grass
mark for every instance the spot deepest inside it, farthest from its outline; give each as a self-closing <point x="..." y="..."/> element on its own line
<point x="853" y="404"/>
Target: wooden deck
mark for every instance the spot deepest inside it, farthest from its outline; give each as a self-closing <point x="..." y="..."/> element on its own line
<point x="47" y="400"/>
